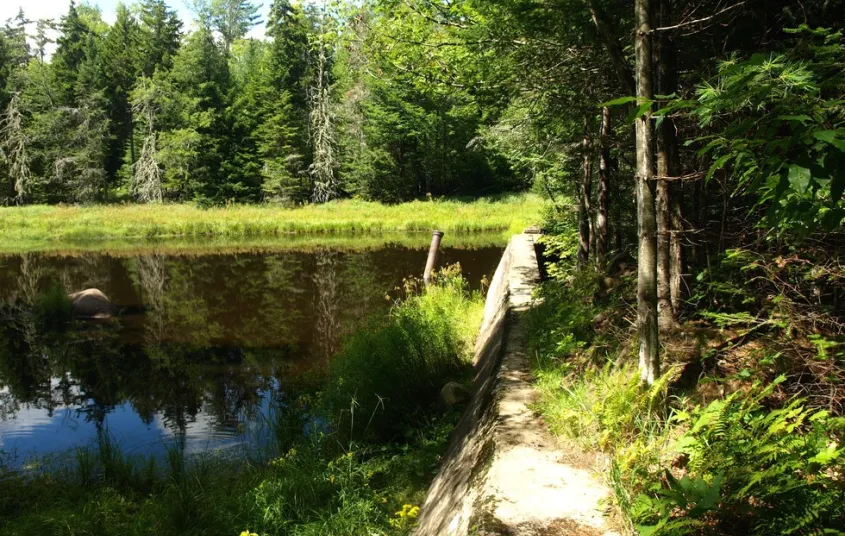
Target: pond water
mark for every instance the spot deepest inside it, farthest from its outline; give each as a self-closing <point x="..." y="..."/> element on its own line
<point x="203" y="344"/>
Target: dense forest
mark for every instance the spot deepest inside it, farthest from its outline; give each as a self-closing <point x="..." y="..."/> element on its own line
<point x="154" y="108"/>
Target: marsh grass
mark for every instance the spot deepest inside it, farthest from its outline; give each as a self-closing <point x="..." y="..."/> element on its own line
<point x="393" y="370"/>
<point x="29" y="226"/>
<point x="311" y="479"/>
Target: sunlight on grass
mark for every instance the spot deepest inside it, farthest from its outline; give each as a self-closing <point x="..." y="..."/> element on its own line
<point x="39" y="225"/>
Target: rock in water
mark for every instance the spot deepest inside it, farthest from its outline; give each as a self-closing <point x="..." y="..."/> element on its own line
<point x="454" y="394"/>
<point x="92" y="303"/>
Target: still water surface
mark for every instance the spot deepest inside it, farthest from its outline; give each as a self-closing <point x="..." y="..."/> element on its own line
<point x="202" y="346"/>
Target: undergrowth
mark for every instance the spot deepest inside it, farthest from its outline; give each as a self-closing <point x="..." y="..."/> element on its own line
<point x="338" y="464"/>
<point x="739" y="436"/>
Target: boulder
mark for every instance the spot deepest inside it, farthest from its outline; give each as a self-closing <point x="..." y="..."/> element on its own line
<point x="92" y="303"/>
<point x="454" y="394"/>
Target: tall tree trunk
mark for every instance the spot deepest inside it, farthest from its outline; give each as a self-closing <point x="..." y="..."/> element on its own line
<point x="649" y="355"/>
<point x="131" y="138"/>
<point x="584" y="202"/>
<point x="669" y="212"/>
<point x="665" y="132"/>
<point x="603" y="193"/>
<point x="676" y="249"/>
<point x="665" y="312"/>
<point x="670" y="194"/>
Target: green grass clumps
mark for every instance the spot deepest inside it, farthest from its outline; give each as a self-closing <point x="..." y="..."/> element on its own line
<point x="41" y="224"/>
<point x="321" y="475"/>
<point x="393" y="370"/>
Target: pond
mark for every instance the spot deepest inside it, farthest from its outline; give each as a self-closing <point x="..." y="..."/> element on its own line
<point x="205" y="340"/>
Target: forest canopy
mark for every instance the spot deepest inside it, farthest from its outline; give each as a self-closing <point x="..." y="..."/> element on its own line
<point x="393" y="100"/>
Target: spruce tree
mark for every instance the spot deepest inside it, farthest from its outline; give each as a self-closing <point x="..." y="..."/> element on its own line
<point x="69" y="55"/>
<point x="161" y="33"/>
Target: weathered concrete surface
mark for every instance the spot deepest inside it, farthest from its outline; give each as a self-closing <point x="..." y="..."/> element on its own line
<point x="502" y="474"/>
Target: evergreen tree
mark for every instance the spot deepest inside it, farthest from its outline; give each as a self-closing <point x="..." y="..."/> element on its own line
<point x="160" y="37"/>
<point x="122" y="60"/>
<point x="282" y="134"/>
<point x="200" y="76"/>
<point x="288" y="29"/>
<point x="234" y="19"/>
<point x="69" y="55"/>
<point x="14" y="150"/>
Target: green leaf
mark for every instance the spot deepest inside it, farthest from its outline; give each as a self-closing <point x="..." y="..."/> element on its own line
<point x="619" y="101"/>
<point x="640" y="111"/>
<point x="830" y="137"/>
<point x="800" y="118"/>
<point x="799" y="178"/>
<point x="826" y="456"/>
<point x="717" y="165"/>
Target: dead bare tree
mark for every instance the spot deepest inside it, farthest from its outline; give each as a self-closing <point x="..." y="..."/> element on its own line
<point x="13" y="148"/>
<point x="147" y="175"/>
<point x="322" y="169"/>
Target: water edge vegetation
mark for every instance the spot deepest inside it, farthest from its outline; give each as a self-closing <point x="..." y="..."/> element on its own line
<point x="322" y="473"/>
<point x="41" y="226"/>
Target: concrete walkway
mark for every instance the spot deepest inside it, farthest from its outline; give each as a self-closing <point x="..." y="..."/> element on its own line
<point x="503" y="474"/>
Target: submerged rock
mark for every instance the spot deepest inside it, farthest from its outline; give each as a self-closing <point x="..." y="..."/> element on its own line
<point x="92" y="303"/>
<point x="454" y="394"/>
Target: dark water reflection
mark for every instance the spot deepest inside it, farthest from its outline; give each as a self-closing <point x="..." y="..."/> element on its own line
<point x="202" y="346"/>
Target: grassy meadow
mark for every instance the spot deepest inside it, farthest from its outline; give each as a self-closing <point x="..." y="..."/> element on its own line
<point x="38" y="227"/>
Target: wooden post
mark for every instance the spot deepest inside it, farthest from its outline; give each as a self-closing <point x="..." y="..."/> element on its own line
<point x="431" y="263"/>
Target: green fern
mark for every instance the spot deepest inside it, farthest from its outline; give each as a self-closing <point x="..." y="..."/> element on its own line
<point x="775" y="471"/>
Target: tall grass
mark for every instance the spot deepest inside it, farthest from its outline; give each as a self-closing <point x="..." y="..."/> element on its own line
<point x="53" y="308"/>
<point x="79" y="223"/>
<point x="317" y="480"/>
<point x="394" y="370"/>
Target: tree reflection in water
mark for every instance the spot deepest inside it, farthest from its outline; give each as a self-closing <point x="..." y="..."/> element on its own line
<point x="202" y="345"/>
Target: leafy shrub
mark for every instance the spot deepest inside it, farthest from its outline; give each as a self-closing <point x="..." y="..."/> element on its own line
<point x="752" y="470"/>
<point x="393" y="370"/>
<point x="560" y="242"/>
<point x="781" y="134"/>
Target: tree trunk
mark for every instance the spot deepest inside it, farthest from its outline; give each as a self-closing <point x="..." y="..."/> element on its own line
<point x="669" y="224"/>
<point x="131" y="138"/>
<point x="604" y="193"/>
<point x="665" y="313"/>
<point x="584" y="204"/>
<point x="676" y="249"/>
<point x="649" y="356"/>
